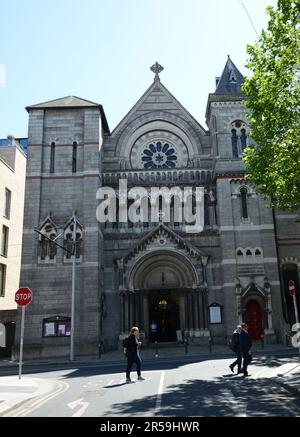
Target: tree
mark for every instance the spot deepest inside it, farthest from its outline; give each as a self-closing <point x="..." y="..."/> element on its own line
<point x="273" y="101"/>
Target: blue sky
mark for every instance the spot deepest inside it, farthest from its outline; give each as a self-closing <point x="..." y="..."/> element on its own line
<point x="102" y="50"/>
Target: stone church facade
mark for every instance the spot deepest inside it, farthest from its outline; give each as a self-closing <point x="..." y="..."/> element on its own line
<point x="201" y="284"/>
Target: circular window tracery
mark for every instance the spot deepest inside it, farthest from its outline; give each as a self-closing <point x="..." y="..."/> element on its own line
<point x="159" y="154"/>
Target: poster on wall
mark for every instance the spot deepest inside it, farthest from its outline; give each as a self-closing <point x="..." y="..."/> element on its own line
<point x="49" y="329"/>
<point x="215" y="315"/>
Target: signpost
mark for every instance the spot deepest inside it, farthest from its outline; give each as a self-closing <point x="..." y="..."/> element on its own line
<point x="23" y="297"/>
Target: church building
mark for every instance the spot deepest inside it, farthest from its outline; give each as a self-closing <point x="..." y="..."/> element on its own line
<point x="193" y="285"/>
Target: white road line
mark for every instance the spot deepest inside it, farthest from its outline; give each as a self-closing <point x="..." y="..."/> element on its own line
<point x="160" y="391"/>
<point x="110" y="383"/>
<point x="238" y="406"/>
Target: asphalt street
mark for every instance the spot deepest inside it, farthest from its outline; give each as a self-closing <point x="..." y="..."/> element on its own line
<point x="171" y="388"/>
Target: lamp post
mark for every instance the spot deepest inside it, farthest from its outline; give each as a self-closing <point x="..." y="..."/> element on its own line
<point x="73" y="254"/>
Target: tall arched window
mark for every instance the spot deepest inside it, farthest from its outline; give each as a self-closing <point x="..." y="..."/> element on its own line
<point x="234" y="142"/>
<point x="244" y="205"/>
<point x="52" y="157"/>
<point x="74" y="158"/>
<point x="243" y="139"/>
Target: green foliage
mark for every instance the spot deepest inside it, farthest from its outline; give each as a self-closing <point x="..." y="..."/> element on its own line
<point x="273" y="101"/>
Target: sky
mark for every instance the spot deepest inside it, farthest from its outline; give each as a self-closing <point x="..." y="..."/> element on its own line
<point x="101" y="50"/>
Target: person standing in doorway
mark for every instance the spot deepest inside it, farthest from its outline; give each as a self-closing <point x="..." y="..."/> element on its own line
<point x="246" y="345"/>
<point x="236" y="347"/>
<point x="153" y="331"/>
<point x="131" y="350"/>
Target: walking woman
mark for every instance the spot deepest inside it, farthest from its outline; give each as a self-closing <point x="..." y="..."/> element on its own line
<point x="131" y="350"/>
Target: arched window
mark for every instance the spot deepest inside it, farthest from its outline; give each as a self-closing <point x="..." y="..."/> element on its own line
<point x="258" y="252"/>
<point x="234" y="142"/>
<point x="243" y="139"/>
<point x="244" y="205"/>
<point x="52" y="157"/>
<point x="239" y="252"/>
<point x="248" y="252"/>
<point x="47" y="249"/>
<point x="74" y="158"/>
<point x="68" y="240"/>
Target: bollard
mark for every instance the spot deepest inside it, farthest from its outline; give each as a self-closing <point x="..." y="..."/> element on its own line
<point x="156" y="349"/>
<point x="262" y="342"/>
<point x="209" y="344"/>
<point x="186" y="345"/>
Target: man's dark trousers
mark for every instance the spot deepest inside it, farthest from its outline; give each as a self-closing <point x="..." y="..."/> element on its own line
<point x="133" y="357"/>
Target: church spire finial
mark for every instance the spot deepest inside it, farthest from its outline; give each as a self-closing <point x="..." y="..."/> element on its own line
<point x="156" y="68"/>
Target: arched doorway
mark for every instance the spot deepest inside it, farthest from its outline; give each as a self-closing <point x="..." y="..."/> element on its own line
<point x="164" y="311"/>
<point x="253" y="318"/>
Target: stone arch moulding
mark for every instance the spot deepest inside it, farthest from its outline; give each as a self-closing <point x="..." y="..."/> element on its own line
<point x="188" y="269"/>
<point x="290" y="260"/>
<point x="159" y="121"/>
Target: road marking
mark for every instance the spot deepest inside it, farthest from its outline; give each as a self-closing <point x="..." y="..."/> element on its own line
<point x="79" y="402"/>
<point x="63" y="386"/>
<point x="160" y="391"/>
<point x="237" y="405"/>
<point x="110" y="383"/>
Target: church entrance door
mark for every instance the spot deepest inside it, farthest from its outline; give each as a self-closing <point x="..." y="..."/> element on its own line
<point x="164" y="311"/>
<point x="253" y="318"/>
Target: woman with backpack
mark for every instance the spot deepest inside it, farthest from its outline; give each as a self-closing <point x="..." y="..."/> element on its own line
<point x="131" y="347"/>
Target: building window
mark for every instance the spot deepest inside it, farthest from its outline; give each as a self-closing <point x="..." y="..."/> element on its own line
<point x="159" y="155"/>
<point x="58" y="326"/>
<point x="234" y="142"/>
<point x="243" y="139"/>
<point x="74" y="158"/>
<point x="68" y="241"/>
<point x="52" y="157"/>
<point x="7" y="203"/>
<point x="2" y="279"/>
<point x="244" y="205"/>
<point x="4" y="240"/>
<point x="47" y="248"/>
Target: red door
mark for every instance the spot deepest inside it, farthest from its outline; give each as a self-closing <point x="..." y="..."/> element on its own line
<point x="253" y="318"/>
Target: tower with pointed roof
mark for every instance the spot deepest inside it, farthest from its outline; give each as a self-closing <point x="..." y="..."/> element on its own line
<point x="130" y="274"/>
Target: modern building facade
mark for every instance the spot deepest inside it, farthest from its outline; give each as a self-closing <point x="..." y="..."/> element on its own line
<point x="12" y="188"/>
<point x="199" y="284"/>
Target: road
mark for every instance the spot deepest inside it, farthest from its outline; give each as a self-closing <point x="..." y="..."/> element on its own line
<point x="172" y="388"/>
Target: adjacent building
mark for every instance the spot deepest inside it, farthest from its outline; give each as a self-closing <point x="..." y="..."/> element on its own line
<point x="197" y="284"/>
<point x="12" y="187"/>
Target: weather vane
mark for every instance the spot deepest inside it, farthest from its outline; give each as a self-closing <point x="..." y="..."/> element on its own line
<point x="156" y="68"/>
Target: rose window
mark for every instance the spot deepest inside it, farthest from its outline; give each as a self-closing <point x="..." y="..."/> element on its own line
<point x="159" y="155"/>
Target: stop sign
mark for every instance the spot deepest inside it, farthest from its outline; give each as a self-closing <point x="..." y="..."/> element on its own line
<point x="23" y="296"/>
<point x="292" y="289"/>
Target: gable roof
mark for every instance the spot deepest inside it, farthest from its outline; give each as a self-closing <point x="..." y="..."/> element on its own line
<point x="158" y="98"/>
<point x="71" y="102"/>
<point x="158" y="230"/>
<point x="231" y="80"/>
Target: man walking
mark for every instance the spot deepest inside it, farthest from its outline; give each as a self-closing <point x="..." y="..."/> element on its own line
<point x="236" y="347"/>
<point x="131" y="350"/>
<point x="246" y="344"/>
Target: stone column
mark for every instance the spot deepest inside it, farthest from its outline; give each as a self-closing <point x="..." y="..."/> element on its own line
<point x="196" y="311"/>
<point x="187" y="317"/>
<point x="122" y="313"/>
<point x="204" y="309"/>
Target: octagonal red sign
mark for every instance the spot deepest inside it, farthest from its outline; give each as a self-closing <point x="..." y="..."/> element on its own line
<point x="23" y="296"/>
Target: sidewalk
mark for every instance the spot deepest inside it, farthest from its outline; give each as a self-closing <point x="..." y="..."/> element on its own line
<point x="14" y="392"/>
<point x="163" y="353"/>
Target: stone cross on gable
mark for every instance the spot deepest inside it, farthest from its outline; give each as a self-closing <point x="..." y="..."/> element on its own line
<point x="156" y="68"/>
